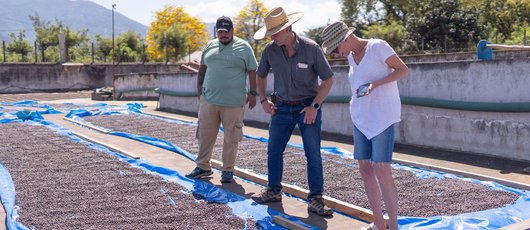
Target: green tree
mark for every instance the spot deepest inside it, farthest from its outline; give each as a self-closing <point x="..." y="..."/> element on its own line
<point x="129" y="46"/>
<point x="498" y="18"/>
<point x="76" y="40"/>
<point x="520" y="35"/>
<point x="249" y="20"/>
<point x="173" y="40"/>
<point x="351" y="12"/>
<point x="394" y="33"/>
<point x="46" y="32"/>
<point x="81" y="53"/>
<point x="444" y="24"/>
<point x="314" y="34"/>
<point x="501" y="18"/>
<point x="429" y="24"/>
<point x="48" y="35"/>
<point x="103" y="46"/>
<point x="125" y="53"/>
<point x="376" y="17"/>
<point x="19" y="45"/>
<point x="131" y="39"/>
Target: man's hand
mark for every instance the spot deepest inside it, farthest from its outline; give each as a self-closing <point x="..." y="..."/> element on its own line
<point x="268" y="107"/>
<point x="310" y="115"/>
<point x="251" y="101"/>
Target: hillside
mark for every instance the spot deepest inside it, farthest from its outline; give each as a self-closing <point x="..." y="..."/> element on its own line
<point x="14" y="16"/>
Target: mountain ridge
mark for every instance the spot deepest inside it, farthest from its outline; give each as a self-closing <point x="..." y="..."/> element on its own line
<point x="78" y="15"/>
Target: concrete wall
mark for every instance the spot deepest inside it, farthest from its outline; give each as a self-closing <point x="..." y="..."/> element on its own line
<point x="450" y="57"/>
<point x="22" y="78"/>
<point x="136" y="86"/>
<point x="503" y="135"/>
<point x="471" y="81"/>
<point x="491" y="133"/>
<point x="185" y="82"/>
<point x="463" y="56"/>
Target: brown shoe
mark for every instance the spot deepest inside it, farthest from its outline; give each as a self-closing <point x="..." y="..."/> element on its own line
<point x="316" y="205"/>
<point x="267" y="196"/>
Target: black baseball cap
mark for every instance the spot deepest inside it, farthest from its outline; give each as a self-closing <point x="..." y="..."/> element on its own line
<point x="224" y="23"/>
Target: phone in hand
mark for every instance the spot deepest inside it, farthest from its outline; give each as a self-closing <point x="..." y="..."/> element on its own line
<point x="363" y="90"/>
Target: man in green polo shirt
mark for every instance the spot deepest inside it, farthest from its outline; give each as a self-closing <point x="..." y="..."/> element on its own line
<point x="221" y="84"/>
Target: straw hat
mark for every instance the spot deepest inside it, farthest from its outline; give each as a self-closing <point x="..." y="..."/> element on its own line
<point x="333" y="35"/>
<point x="275" y="21"/>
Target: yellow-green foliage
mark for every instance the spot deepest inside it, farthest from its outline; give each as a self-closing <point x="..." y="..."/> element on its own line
<point x="248" y="21"/>
<point x="169" y="16"/>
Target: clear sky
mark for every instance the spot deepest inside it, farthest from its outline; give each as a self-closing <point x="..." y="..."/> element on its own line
<point x="316" y="12"/>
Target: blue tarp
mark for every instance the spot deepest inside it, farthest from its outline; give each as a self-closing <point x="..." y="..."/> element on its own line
<point x="7" y="118"/>
<point x="241" y="207"/>
<point x="25" y="115"/>
<point x="488" y="219"/>
<point x="7" y="194"/>
<point x="31" y="103"/>
<point x="130" y="108"/>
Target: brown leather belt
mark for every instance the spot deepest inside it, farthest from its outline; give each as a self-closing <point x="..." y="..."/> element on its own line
<point x="291" y="103"/>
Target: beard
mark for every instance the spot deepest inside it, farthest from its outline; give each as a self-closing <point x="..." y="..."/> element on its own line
<point x="227" y="41"/>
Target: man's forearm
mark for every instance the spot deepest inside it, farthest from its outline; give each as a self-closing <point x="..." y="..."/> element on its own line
<point x="323" y="90"/>
<point x="200" y="79"/>
<point x="252" y="80"/>
<point x="261" y="84"/>
<point x="200" y="75"/>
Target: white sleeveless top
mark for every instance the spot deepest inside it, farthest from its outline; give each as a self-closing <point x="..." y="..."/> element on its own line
<point x="374" y="113"/>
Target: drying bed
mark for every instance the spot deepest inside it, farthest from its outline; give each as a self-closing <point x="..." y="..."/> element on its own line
<point x="44" y="96"/>
<point x="423" y="197"/>
<point x="63" y="184"/>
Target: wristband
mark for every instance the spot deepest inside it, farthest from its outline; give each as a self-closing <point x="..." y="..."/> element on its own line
<point x="263" y="100"/>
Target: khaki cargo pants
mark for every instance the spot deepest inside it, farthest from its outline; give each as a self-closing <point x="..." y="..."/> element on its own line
<point x="210" y="118"/>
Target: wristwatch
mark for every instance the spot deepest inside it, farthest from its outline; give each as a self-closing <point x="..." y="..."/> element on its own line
<point x="316" y="105"/>
<point x="253" y="93"/>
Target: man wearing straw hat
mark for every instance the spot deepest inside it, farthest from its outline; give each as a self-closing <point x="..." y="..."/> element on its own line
<point x="297" y="63"/>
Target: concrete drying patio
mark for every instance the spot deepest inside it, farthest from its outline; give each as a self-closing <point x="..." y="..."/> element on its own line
<point x="506" y="172"/>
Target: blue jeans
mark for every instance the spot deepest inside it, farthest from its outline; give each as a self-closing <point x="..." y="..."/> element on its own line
<point x="280" y="129"/>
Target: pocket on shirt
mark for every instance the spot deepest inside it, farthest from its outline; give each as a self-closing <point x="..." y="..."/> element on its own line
<point x="303" y="77"/>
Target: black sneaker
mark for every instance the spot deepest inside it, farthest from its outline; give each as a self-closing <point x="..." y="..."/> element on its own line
<point x="267" y="196"/>
<point x="199" y="173"/>
<point x="316" y="205"/>
<point x="227" y="177"/>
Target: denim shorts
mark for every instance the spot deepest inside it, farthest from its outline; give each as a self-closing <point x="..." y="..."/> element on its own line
<point x="378" y="149"/>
